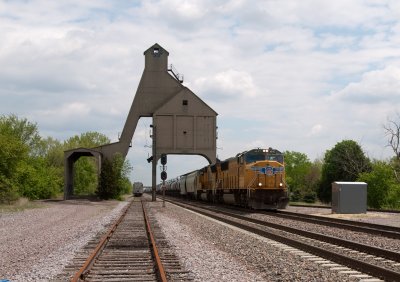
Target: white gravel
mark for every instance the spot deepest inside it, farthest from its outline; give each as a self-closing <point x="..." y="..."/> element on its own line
<point x="215" y="252"/>
<point x="36" y="244"/>
<point x="392" y="219"/>
<point x="354" y="236"/>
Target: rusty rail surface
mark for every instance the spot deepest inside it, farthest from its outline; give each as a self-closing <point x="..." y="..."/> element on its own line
<point x="159" y="265"/>
<point x="128" y="252"/>
<point x="359" y="226"/>
<point x="372" y="269"/>
<point x="90" y="260"/>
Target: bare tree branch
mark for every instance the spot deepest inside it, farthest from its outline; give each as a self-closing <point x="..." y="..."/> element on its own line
<point x="392" y="131"/>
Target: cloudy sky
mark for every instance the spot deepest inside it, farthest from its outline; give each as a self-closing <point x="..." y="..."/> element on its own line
<point x="293" y="75"/>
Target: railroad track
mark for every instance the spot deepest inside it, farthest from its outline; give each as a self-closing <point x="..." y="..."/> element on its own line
<point x="376" y="262"/>
<point x="330" y="207"/>
<point x="133" y="249"/>
<point x="370" y="228"/>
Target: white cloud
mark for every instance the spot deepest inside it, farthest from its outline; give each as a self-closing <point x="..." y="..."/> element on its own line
<point x="293" y="75"/>
<point x="227" y="85"/>
<point x="70" y="110"/>
<point x="375" y="87"/>
<point x="316" y="129"/>
<point x="335" y="41"/>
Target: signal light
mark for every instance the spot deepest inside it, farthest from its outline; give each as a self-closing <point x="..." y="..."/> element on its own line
<point x="163" y="159"/>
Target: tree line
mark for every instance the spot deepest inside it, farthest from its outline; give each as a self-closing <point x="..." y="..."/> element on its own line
<point x="32" y="166"/>
<point x="346" y="161"/>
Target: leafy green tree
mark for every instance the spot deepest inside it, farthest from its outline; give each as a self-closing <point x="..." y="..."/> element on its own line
<point x="313" y="180"/>
<point x="8" y="191"/>
<point x="85" y="176"/>
<point x="392" y="200"/>
<point x="87" y="140"/>
<point x="11" y="153"/>
<point x="126" y="185"/>
<point x="383" y="188"/>
<point x="24" y="168"/>
<point x="344" y="162"/>
<point x="302" y="176"/>
<point x="53" y="151"/>
<point x="297" y="166"/>
<point x="14" y="150"/>
<point x="114" y="178"/>
<point x="108" y="183"/>
<point x="33" y="167"/>
<point x="23" y="130"/>
<point x="314" y="175"/>
<point x="38" y="180"/>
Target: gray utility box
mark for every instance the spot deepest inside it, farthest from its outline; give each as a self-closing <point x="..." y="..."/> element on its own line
<point x="349" y="197"/>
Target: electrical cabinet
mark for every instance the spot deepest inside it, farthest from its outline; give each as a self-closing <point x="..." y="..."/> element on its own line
<point x="349" y="197"/>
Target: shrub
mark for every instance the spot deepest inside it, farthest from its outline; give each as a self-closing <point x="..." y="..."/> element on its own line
<point x="381" y="182"/>
<point x="8" y="191"/>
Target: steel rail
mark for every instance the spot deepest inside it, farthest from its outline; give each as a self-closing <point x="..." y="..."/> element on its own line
<point x="387" y="274"/>
<point x="359" y="223"/>
<point x="325" y="238"/>
<point x="370" y="228"/>
<point x="330" y="207"/>
<point x="84" y="270"/>
<point x="159" y="265"/>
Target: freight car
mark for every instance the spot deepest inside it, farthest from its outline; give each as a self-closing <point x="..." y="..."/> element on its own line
<point x="253" y="179"/>
<point x="137" y="189"/>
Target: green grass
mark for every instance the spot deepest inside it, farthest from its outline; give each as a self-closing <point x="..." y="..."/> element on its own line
<point x="20" y="205"/>
<point x="317" y="203"/>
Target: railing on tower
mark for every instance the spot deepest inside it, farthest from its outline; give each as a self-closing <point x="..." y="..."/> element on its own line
<point x="175" y="73"/>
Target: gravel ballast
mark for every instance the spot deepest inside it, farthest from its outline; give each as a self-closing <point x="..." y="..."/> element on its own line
<point x="36" y="244"/>
<point x="215" y="252"/>
<point x="385" y="218"/>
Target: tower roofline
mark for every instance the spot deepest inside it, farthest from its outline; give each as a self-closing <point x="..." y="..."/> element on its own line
<point x="156" y="45"/>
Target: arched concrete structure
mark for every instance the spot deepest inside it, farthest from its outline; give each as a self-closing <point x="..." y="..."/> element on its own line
<point x="70" y="157"/>
<point x="160" y="95"/>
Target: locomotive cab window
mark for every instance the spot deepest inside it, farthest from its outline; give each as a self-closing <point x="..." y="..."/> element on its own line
<point x="261" y="155"/>
<point x="277" y="158"/>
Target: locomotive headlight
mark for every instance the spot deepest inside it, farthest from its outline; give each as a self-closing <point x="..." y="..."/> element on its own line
<point x="281" y="184"/>
<point x="260" y="184"/>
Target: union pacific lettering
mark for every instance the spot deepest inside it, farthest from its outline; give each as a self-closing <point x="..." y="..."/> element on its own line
<point x="268" y="170"/>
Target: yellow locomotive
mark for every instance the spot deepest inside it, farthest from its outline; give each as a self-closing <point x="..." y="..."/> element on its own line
<point x="254" y="179"/>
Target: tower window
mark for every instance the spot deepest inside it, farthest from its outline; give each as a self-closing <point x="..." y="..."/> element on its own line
<point x="185" y="102"/>
<point x="156" y="51"/>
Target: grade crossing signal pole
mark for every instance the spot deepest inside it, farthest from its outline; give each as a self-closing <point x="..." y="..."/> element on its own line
<point x="163" y="176"/>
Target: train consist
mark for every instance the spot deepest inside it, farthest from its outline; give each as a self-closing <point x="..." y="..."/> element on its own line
<point x="137" y="189"/>
<point x="253" y="179"/>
